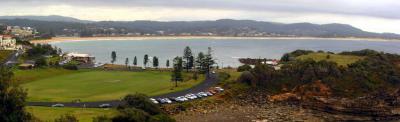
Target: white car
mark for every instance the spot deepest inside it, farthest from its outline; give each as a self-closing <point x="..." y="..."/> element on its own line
<point x="191" y="96"/>
<point x="167" y="100"/>
<point x="105" y="105"/>
<point x="209" y="94"/>
<point x="153" y="100"/>
<point x="202" y="94"/>
<point x="57" y="105"/>
<point x="180" y="99"/>
<point x="219" y="89"/>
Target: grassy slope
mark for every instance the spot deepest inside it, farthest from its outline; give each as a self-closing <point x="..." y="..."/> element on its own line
<point x="97" y="85"/>
<point x="26" y="76"/>
<point x="342" y="60"/>
<point x="83" y="114"/>
<point x="4" y="54"/>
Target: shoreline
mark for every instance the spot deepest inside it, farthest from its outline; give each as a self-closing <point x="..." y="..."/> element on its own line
<point x="111" y="38"/>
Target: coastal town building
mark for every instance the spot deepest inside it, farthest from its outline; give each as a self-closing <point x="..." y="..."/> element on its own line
<point x="18" y="31"/>
<point x="7" y="42"/>
<point x="78" y="57"/>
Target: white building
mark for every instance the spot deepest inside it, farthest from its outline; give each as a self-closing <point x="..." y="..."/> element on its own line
<point x="81" y="58"/>
<point x="7" y="43"/>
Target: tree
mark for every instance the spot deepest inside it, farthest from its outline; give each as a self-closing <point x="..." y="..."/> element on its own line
<point x="191" y="62"/>
<point x="135" y="61"/>
<point x="187" y="54"/>
<point x="145" y="60"/>
<point x="41" y="61"/>
<point x="113" y="57"/>
<point x="245" y="67"/>
<point x="167" y="64"/>
<point x="177" y="72"/>
<point x="155" y="62"/>
<point x="138" y="108"/>
<point x="208" y="61"/>
<point x="140" y="101"/>
<point x="126" y="62"/>
<point x="12" y="99"/>
<point x="200" y="61"/>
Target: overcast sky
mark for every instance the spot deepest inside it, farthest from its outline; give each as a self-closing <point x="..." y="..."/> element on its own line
<point x="369" y="15"/>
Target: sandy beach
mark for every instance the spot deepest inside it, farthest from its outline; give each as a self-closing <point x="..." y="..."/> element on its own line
<point x="64" y="39"/>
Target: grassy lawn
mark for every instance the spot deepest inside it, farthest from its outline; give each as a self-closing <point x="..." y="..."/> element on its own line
<point x="342" y="60"/>
<point x="82" y="114"/>
<point x="4" y="54"/>
<point x="25" y="76"/>
<point x="63" y="85"/>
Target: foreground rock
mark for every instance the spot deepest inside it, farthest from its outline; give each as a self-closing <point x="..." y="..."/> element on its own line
<point x="383" y="105"/>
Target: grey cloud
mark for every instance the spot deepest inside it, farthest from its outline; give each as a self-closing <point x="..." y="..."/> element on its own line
<point x="375" y="8"/>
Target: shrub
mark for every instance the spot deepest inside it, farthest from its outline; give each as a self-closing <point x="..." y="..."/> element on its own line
<point x="72" y="65"/>
<point x="246" y="77"/>
<point x="161" y="118"/>
<point x="131" y="115"/>
<point x="40" y="62"/>
<point x="244" y="68"/>
<point x="102" y="118"/>
<point x="140" y="101"/>
<point x="66" y="118"/>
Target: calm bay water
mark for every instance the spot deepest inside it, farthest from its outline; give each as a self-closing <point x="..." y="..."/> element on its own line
<point x="226" y="51"/>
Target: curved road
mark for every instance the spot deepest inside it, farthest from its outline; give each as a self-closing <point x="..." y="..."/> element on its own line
<point x="210" y="81"/>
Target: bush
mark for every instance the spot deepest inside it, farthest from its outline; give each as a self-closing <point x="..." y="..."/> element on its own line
<point x="195" y="76"/>
<point x="41" y="62"/>
<point x="140" y="101"/>
<point x="246" y="77"/>
<point x="72" y="65"/>
<point x="131" y="115"/>
<point x="102" y="118"/>
<point x="161" y="118"/>
<point x="244" y="68"/>
<point x="223" y="76"/>
<point x="66" y="118"/>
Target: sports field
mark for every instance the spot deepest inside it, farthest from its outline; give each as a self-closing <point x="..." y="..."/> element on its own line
<point x="97" y="85"/>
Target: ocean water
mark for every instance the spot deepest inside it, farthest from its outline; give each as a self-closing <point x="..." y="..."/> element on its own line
<point x="225" y="51"/>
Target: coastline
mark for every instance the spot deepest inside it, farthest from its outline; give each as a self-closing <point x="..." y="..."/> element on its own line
<point x="110" y="38"/>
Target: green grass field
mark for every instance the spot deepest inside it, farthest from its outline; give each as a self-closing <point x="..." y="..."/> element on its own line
<point x="342" y="60"/>
<point x="82" y="114"/>
<point x="60" y="85"/>
<point x="4" y="54"/>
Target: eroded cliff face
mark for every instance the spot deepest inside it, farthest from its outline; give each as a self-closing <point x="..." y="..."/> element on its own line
<point x="382" y="105"/>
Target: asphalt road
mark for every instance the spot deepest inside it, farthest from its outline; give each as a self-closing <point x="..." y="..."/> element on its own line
<point x="12" y="59"/>
<point x="204" y="86"/>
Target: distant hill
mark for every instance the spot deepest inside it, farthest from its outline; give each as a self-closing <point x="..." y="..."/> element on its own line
<point x="55" y="18"/>
<point x="223" y="27"/>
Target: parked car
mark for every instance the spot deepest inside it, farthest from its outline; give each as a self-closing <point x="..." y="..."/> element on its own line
<point x="161" y="101"/>
<point x="172" y="98"/>
<point x="198" y="95"/>
<point x="219" y="89"/>
<point x="191" y="96"/>
<point x="57" y="105"/>
<point x="167" y="100"/>
<point x="154" y="101"/>
<point x="209" y="93"/>
<point x="213" y="91"/>
<point x="106" y="105"/>
<point x="181" y="99"/>
<point x="203" y="94"/>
